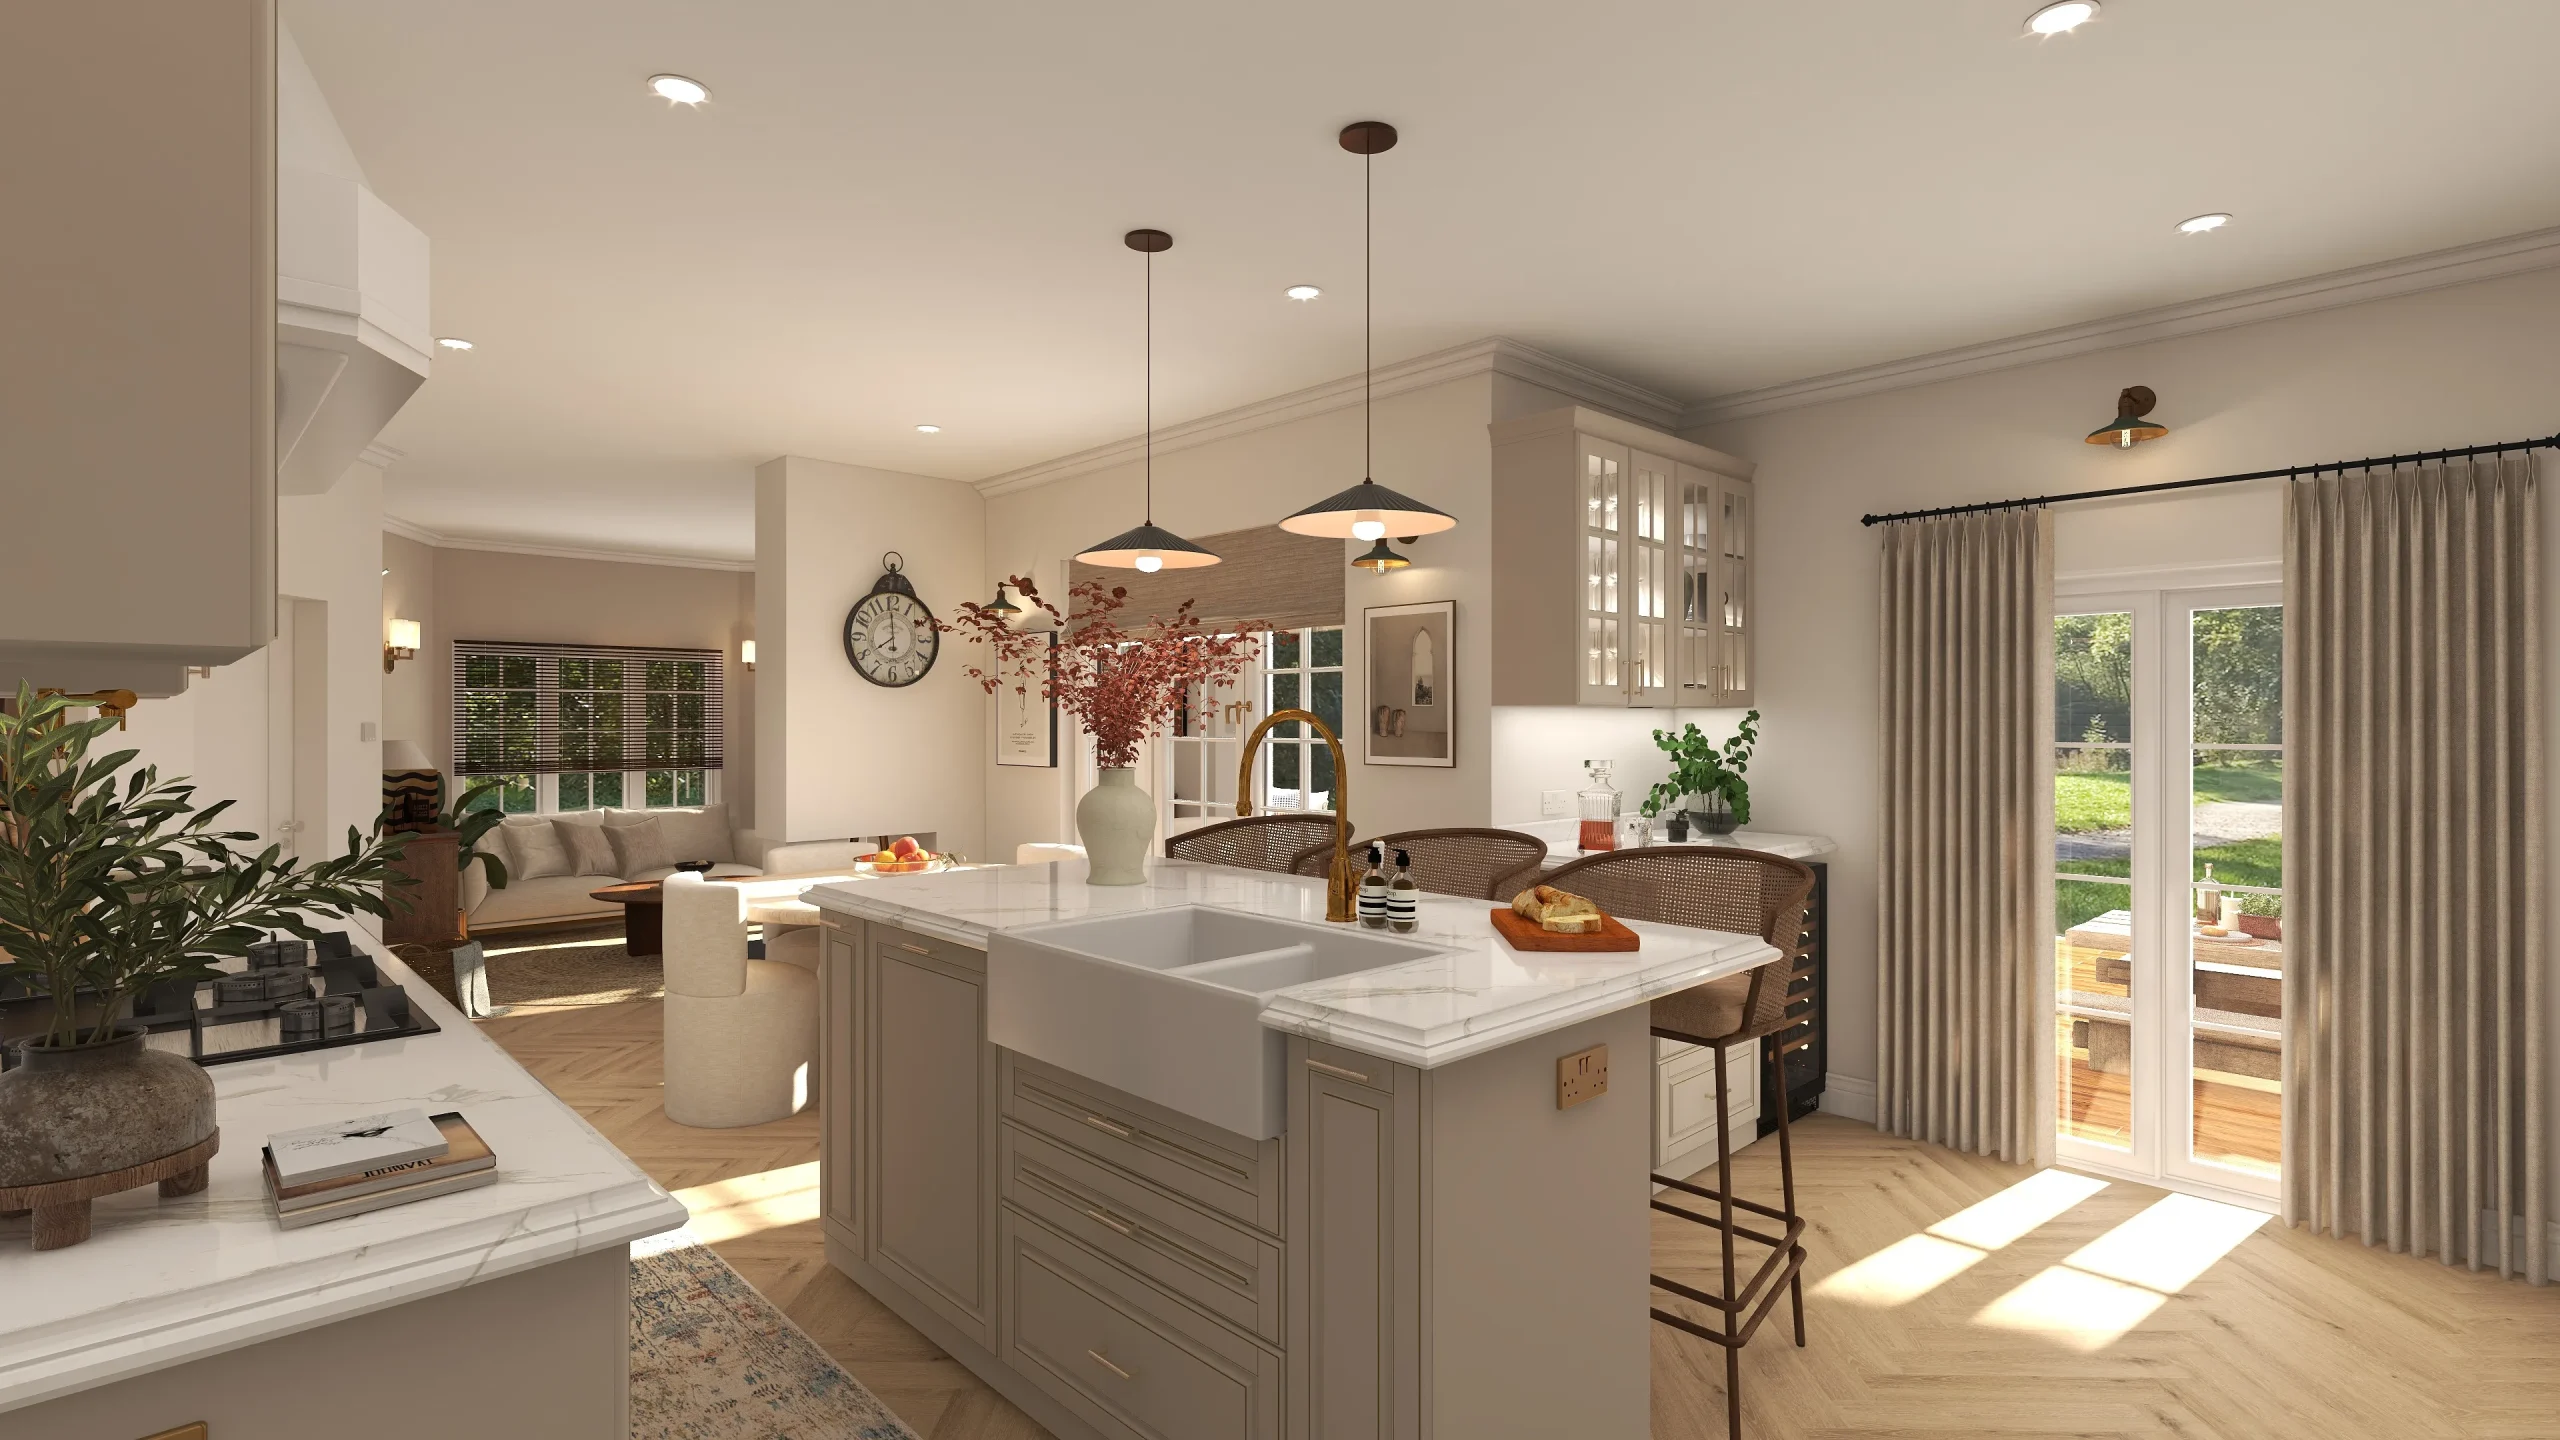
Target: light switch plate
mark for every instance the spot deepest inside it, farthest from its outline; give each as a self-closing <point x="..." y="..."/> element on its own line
<point x="1552" y="803"/>
<point x="1582" y="1075"/>
<point x="367" y="732"/>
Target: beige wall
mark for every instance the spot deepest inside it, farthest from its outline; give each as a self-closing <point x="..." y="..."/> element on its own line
<point x="2452" y="367"/>
<point x="492" y="595"/>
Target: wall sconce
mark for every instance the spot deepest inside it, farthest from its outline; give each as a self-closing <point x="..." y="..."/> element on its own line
<point x="2129" y="428"/>
<point x="747" y="653"/>
<point x="399" y="642"/>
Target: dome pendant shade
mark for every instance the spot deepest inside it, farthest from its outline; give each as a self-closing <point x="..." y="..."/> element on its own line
<point x="2129" y="428"/>
<point x="1002" y="605"/>
<point x="1368" y="511"/>
<point x="1378" y="560"/>
<point x="1150" y="548"/>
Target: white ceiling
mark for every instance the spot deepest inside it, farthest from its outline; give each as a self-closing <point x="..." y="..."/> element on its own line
<point x="892" y="214"/>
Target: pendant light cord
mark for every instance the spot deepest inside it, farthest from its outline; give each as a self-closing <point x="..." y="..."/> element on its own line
<point x="1368" y="319"/>
<point x="1151" y="387"/>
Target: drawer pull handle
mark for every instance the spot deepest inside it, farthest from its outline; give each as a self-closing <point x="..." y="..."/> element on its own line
<point x="913" y="949"/>
<point x="1117" y="1132"/>
<point x="1115" y="1222"/>
<point x="1105" y="1362"/>
<point x="1337" y="1072"/>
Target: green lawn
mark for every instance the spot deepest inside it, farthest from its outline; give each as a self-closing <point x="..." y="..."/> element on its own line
<point x="2245" y="862"/>
<point x="2085" y="800"/>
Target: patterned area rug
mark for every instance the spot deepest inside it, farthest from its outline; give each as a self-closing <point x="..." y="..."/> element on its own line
<point x="583" y="965"/>
<point x="711" y="1359"/>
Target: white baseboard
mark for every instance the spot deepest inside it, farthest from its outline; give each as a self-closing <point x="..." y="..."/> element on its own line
<point x="1849" y="1097"/>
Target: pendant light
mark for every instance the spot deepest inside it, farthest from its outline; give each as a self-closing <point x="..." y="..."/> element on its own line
<point x="1002" y="605"/>
<point x="2129" y="428"/>
<point x="1368" y="510"/>
<point x="1150" y="547"/>
<point x="1378" y="559"/>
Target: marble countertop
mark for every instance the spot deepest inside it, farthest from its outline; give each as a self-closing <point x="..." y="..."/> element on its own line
<point x="161" y="1282"/>
<point x="1477" y="994"/>
<point x="1562" y="835"/>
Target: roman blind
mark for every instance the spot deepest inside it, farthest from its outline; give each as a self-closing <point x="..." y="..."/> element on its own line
<point x="1264" y="573"/>
<point x="526" y="709"/>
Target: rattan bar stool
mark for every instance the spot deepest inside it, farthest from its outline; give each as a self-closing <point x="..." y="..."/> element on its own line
<point x="1754" y="893"/>
<point x="1479" y="864"/>
<point x="1256" y="842"/>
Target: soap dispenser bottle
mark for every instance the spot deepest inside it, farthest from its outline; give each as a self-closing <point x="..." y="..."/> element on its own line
<point x="1404" y="897"/>
<point x="1373" y="891"/>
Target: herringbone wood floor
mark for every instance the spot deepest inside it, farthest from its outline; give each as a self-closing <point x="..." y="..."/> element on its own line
<point x="1946" y="1295"/>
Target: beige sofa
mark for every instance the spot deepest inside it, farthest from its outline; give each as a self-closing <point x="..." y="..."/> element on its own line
<point x="553" y="873"/>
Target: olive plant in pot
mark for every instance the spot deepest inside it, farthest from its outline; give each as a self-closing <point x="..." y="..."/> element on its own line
<point x="1710" y="771"/>
<point x="112" y="882"/>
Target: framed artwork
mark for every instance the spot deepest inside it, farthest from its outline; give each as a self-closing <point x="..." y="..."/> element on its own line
<point x="1413" y="674"/>
<point x="1026" y="722"/>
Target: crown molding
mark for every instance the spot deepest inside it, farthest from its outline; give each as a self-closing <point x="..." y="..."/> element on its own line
<point x="2383" y="280"/>
<point x="394" y="525"/>
<point x="1493" y="356"/>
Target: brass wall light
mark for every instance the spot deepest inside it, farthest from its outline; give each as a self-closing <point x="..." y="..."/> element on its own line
<point x="399" y="642"/>
<point x="2129" y="428"/>
<point x="747" y="654"/>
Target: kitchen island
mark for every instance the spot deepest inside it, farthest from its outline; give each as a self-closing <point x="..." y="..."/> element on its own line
<point x="1071" y="1136"/>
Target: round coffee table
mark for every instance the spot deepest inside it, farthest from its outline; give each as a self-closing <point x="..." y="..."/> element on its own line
<point x="644" y="912"/>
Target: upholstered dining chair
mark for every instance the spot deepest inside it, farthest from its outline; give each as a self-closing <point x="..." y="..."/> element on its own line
<point x="741" y="1034"/>
<point x="1256" y="842"/>
<point x="1460" y="860"/>
<point x="1755" y="894"/>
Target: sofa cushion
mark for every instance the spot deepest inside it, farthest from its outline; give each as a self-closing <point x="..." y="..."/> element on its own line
<point x="540" y="850"/>
<point x="590" y="853"/>
<point x="557" y="897"/>
<point x="638" y="847"/>
<point x="701" y="834"/>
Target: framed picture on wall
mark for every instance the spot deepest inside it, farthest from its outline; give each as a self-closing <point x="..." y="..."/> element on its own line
<point x="1413" y="684"/>
<point x="1026" y="722"/>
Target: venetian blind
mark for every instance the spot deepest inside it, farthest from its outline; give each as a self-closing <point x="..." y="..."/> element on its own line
<point x="1264" y="573"/>
<point x="526" y="709"/>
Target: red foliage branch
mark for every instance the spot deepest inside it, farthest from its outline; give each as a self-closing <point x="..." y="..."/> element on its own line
<point x="1121" y="683"/>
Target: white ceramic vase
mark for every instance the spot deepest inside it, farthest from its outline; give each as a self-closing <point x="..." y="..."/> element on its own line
<point x="1116" y="819"/>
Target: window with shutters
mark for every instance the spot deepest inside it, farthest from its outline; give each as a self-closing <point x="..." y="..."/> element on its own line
<point x="582" y="727"/>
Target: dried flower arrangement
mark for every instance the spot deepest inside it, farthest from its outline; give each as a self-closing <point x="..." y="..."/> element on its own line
<point x="1121" y="683"/>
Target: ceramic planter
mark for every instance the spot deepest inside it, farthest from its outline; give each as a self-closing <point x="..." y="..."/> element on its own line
<point x="1115" y="820"/>
<point x="95" y="1109"/>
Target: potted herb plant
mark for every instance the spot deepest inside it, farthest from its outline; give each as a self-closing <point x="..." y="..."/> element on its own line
<point x="113" y="882"/>
<point x="1121" y="683"/>
<point x="1710" y="771"/>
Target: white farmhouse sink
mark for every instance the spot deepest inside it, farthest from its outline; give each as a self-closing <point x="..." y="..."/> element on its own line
<point x="1166" y="1004"/>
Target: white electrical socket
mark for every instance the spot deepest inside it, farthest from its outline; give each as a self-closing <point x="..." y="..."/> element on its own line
<point x="1552" y="803"/>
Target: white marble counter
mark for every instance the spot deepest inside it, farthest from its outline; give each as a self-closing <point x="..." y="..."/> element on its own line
<point x="1477" y="994"/>
<point x="1562" y="836"/>
<point x="161" y="1282"/>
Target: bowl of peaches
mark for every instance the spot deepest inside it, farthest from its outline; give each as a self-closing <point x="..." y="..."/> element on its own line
<point x="903" y="857"/>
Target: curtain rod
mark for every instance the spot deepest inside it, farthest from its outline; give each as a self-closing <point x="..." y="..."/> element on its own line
<point x="2291" y="472"/>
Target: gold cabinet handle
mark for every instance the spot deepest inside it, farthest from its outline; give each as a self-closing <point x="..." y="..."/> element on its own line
<point x="1105" y="1362"/>
<point x="1115" y="1222"/>
<point x="1117" y="1132"/>
<point x="1337" y="1072"/>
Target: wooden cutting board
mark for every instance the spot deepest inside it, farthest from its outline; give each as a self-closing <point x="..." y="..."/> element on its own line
<point x="1522" y="933"/>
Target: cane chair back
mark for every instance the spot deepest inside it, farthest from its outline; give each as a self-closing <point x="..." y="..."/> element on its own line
<point x="1256" y="842"/>
<point x="1479" y="864"/>
<point x="1712" y="888"/>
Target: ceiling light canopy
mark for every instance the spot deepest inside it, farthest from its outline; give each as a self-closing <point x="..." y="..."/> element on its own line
<point x="2203" y="224"/>
<point x="2129" y="428"/>
<point x="2062" y="17"/>
<point x="928" y="429"/>
<point x="453" y="342"/>
<point x="679" y="89"/>
<point x="1150" y="547"/>
<point x="1302" y="292"/>
<point x="1368" y="510"/>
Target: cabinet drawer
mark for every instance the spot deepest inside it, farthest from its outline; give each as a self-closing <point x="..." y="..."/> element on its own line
<point x="1128" y="1359"/>
<point x="1221" y="1266"/>
<point x="1224" y="1171"/>
<point x="908" y="945"/>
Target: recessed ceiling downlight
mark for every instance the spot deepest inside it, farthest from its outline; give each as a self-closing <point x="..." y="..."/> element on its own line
<point x="453" y="342"/>
<point x="928" y="429"/>
<point x="2203" y="224"/>
<point x="2063" y="17"/>
<point x="1302" y="292"/>
<point x="679" y="89"/>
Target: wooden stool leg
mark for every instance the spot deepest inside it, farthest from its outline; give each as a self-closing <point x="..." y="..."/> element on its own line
<point x="1724" y="1207"/>
<point x="59" y="1225"/>
<point x="1787" y="1174"/>
<point x="186" y="1182"/>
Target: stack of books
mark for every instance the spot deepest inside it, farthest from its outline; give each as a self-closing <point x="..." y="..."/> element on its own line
<point x="327" y="1172"/>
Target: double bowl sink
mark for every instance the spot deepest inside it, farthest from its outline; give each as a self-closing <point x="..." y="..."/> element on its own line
<point x="1167" y="1004"/>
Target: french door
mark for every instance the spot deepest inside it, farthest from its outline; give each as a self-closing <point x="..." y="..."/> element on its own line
<point x="2168" y="887"/>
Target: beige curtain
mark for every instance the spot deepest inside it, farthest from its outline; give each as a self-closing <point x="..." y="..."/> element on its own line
<point x="2413" y="990"/>
<point x="1965" y="860"/>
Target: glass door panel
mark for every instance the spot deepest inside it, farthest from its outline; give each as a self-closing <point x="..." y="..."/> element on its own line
<point x="2095" y="926"/>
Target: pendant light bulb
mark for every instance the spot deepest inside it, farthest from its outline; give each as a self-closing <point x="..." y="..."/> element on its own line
<point x="1368" y="525"/>
<point x="1149" y="562"/>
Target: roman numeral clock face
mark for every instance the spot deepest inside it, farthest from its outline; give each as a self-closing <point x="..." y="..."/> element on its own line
<point x="890" y="637"/>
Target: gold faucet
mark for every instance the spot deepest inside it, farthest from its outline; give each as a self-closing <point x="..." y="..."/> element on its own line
<point x="1337" y="879"/>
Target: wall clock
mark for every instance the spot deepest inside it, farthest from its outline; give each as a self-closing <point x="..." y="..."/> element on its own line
<point x="889" y="636"/>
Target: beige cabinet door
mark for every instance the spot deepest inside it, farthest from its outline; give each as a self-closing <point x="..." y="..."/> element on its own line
<point x="1645" y="579"/>
<point x="840" y="1090"/>
<point x="1354" y="1236"/>
<point x="1600" y="628"/>
<point x="930" y="1125"/>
